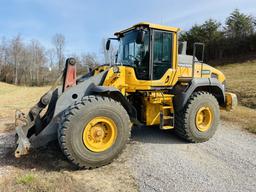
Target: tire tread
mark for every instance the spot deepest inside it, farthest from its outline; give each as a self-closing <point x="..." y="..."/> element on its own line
<point x="66" y="121"/>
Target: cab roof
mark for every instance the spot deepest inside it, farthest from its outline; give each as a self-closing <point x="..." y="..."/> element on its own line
<point x="150" y="25"/>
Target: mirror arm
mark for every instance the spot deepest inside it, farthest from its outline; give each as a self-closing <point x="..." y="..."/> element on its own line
<point x="108" y="42"/>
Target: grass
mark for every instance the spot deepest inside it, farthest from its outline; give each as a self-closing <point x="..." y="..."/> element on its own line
<point x="241" y="79"/>
<point x="37" y="182"/>
<point x="18" y="97"/>
<point x="25" y="179"/>
<point x="244" y="116"/>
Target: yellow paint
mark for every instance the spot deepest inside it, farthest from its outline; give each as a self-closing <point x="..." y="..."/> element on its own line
<point x="126" y="78"/>
<point x="152" y="114"/>
<point x="154" y="99"/>
<point x="150" y="25"/>
<point x="204" y="117"/>
<point x="183" y="72"/>
<point x="99" y="69"/>
<point x="100" y="134"/>
<point x="154" y="103"/>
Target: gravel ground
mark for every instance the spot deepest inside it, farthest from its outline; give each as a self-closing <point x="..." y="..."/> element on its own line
<point x="157" y="160"/>
<point x="225" y="163"/>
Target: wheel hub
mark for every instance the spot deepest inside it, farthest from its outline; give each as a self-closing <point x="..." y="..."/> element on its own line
<point x="203" y="119"/>
<point x="99" y="134"/>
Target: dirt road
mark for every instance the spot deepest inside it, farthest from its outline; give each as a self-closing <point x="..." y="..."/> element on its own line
<point x="153" y="161"/>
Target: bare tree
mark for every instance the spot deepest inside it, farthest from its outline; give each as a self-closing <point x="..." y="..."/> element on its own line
<point x="38" y="57"/>
<point x="22" y="63"/>
<point x="5" y="51"/>
<point x="59" y="43"/>
<point x="89" y="60"/>
<point x="6" y="73"/>
<point x="51" y="55"/>
<point x="2" y="54"/>
<point x="15" y="51"/>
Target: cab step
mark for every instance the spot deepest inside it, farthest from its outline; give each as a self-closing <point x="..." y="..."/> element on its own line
<point x="167" y="107"/>
<point x="166" y="117"/>
<point x="167" y="127"/>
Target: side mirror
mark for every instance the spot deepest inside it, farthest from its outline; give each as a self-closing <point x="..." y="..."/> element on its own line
<point x="116" y="57"/>
<point x="140" y="37"/>
<point x="108" y="44"/>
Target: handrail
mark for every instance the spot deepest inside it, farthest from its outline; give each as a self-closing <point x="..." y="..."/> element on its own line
<point x="194" y="57"/>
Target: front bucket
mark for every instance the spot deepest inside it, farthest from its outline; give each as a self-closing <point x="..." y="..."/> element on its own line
<point x="33" y="123"/>
<point x="23" y="144"/>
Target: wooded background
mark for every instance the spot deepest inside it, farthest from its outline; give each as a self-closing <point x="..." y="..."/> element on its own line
<point x="34" y="65"/>
<point x="229" y="42"/>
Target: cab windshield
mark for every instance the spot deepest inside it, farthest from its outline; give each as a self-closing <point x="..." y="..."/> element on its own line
<point x="133" y="54"/>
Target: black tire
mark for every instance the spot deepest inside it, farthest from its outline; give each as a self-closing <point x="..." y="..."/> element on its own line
<point x="74" y="120"/>
<point x="185" y="119"/>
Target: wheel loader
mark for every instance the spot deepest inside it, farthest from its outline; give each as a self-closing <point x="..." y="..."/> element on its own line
<point x="152" y="82"/>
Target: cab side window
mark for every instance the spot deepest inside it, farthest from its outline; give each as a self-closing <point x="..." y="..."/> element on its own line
<point x="162" y="53"/>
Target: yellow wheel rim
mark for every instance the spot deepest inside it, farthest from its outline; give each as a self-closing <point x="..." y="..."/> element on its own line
<point x="100" y="134"/>
<point x="203" y="119"/>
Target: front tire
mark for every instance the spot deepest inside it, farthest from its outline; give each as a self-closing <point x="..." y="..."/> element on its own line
<point x="94" y="131"/>
<point x="199" y="119"/>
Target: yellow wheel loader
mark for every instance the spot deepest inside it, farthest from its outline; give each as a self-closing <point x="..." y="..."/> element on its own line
<point x="153" y="82"/>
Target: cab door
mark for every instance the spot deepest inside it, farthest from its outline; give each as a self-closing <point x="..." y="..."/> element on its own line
<point x="163" y="57"/>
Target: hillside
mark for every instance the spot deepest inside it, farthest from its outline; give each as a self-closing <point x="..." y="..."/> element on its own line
<point x="241" y="79"/>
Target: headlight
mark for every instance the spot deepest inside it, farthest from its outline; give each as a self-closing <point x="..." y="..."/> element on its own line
<point x="214" y="75"/>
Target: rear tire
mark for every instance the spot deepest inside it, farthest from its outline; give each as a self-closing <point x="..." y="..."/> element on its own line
<point x="188" y="126"/>
<point x="72" y="133"/>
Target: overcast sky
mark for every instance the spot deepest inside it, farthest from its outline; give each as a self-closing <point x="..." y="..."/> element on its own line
<point x="85" y="22"/>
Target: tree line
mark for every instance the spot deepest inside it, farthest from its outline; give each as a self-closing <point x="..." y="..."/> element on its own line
<point x="226" y="42"/>
<point x="30" y="63"/>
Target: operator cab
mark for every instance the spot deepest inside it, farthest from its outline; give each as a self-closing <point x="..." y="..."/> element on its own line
<point x="134" y="52"/>
<point x="148" y="48"/>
